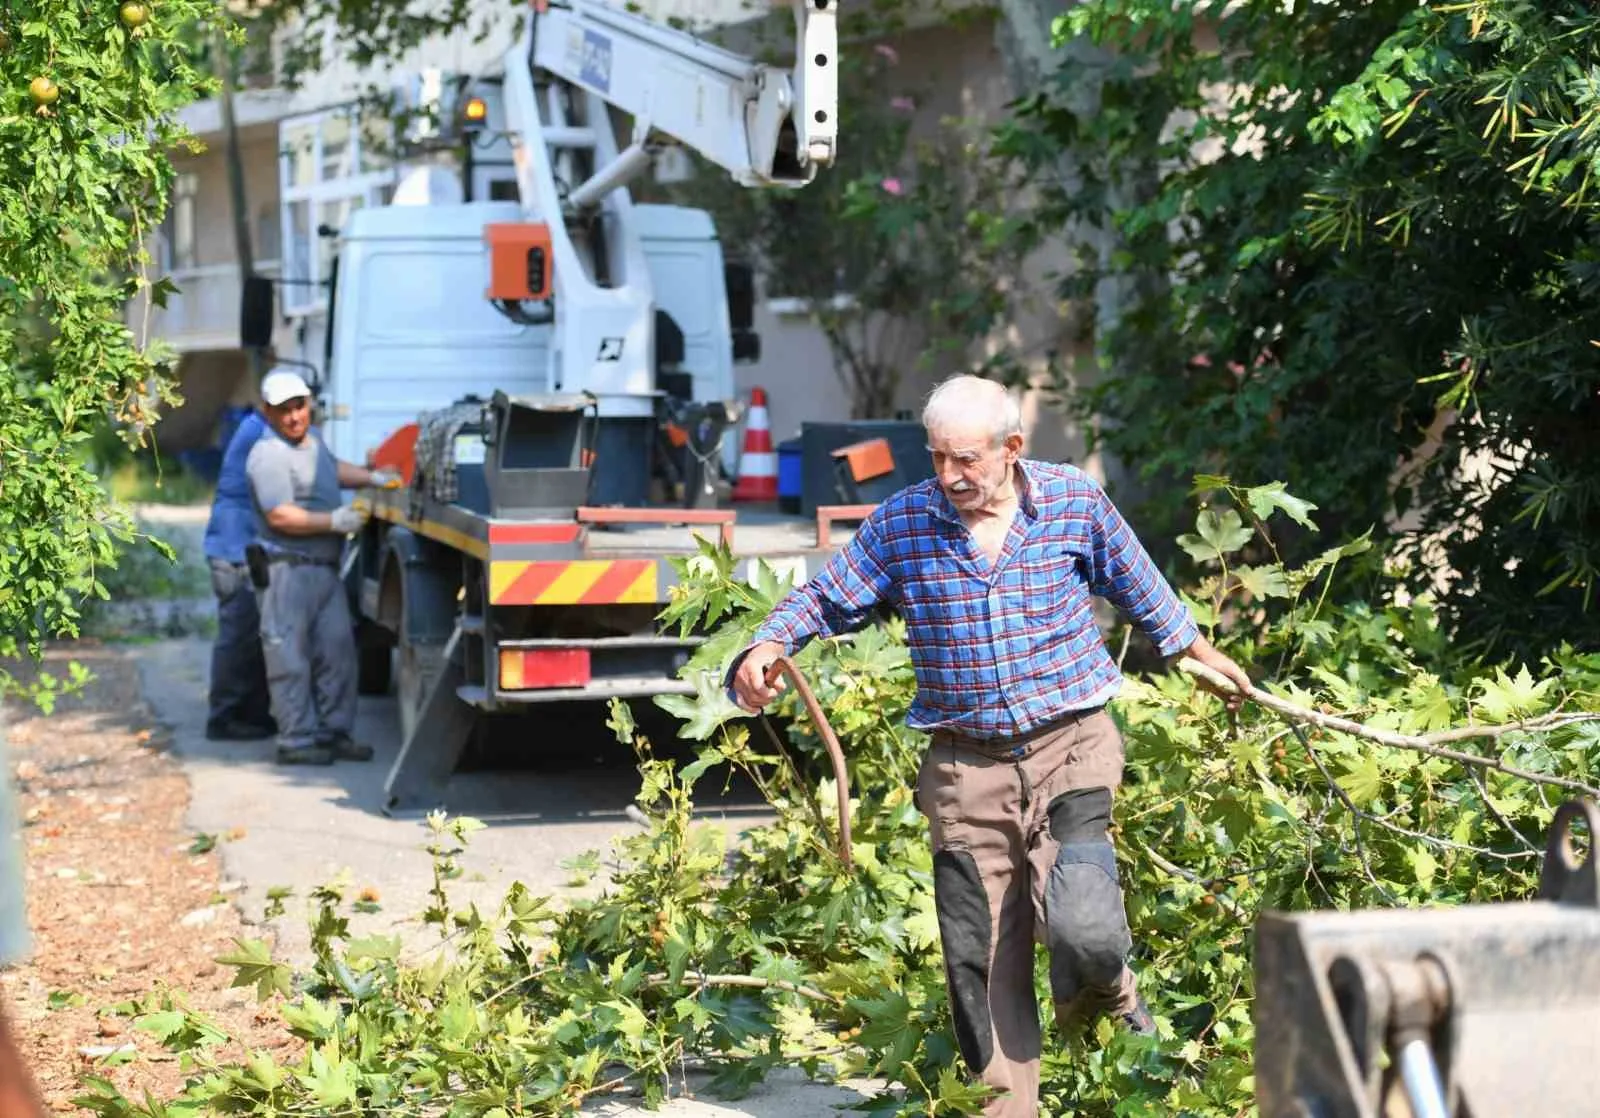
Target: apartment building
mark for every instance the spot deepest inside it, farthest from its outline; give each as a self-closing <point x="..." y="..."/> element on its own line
<point x="310" y="158"/>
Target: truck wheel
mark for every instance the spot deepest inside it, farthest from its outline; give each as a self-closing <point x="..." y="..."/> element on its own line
<point x="374" y="669"/>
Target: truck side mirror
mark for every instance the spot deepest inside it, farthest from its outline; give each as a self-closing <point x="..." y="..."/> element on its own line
<point x="740" y="280"/>
<point x="256" y="313"/>
<point x="746" y="346"/>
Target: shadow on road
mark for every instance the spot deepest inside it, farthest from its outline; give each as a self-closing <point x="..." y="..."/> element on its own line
<point x="556" y="763"/>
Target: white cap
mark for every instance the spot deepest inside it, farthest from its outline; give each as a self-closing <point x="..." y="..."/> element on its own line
<point x="282" y="384"/>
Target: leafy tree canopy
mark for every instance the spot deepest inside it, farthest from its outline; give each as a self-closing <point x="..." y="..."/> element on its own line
<point x="1358" y="243"/>
<point x="87" y="92"/>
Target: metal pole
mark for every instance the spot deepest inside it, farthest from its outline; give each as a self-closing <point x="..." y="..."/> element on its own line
<point x="1421" y="1078"/>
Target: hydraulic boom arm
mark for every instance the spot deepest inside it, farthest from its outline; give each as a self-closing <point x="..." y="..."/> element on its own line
<point x="581" y="61"/>
<point x="765" y="125"/>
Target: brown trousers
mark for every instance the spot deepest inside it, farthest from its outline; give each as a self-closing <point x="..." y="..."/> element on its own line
<point x="1021" y="855"/>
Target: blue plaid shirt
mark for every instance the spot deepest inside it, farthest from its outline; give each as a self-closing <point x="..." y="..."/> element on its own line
<point x="997" y="651"/>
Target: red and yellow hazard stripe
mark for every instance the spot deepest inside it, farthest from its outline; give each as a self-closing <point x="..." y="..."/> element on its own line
<point x="588" y="582"/>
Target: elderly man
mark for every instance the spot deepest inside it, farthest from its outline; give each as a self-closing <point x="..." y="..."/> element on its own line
<point x="306" y="633"/>
<point x="992" y="564"/>
<point x="240" y="707"/>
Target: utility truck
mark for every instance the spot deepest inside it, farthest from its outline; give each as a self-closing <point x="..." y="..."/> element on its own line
<point x="552" y="376"/>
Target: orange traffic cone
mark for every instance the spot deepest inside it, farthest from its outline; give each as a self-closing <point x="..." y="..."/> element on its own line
<point x="758" y="463"/>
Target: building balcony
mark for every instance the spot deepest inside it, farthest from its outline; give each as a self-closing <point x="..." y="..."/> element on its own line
<point x="203" y="314"/>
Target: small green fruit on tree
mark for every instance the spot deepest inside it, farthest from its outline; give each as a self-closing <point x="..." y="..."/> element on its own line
<point x="134" y="14"/>
<point x="85" y="189"/>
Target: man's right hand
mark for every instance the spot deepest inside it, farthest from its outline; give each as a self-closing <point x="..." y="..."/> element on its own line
<point x="750" y="681"/>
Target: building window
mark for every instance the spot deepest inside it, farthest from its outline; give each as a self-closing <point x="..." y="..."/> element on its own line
<point x="331" y="164"/>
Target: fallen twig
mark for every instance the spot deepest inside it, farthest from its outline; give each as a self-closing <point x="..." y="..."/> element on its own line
<point x="1357" y="815"/>
<point x="1226" y="903"/>
<point x="1430" y="744"/>
<point x="1483" y="794"/>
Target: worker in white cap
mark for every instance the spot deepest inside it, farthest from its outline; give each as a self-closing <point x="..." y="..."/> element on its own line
<point x="306" y="634"/>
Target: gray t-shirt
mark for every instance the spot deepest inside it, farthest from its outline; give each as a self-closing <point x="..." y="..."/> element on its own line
<point x="304" y="474"/>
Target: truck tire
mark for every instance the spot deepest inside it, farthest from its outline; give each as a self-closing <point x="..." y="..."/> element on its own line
<point x="374" y="669"/>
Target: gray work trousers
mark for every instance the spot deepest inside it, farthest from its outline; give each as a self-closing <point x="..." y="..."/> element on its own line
<point x="238" y="674"/>
<point x="1022" y="855"/>
<point x="310" y="649"/>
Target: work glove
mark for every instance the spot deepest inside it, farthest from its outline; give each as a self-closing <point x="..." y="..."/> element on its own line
<point x="386" y="479"/>
<point x="347" y="520"/>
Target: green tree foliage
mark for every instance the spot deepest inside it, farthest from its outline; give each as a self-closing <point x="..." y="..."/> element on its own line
<point x="905" y="252"/>
<point x="1360" y="245"/>
<point x="87" y="92"/>
<point x="739" y="956"/>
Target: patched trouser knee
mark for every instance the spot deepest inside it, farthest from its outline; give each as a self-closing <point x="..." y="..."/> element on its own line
<point x="964" y="921"/>
<point x="1086" y="926"/>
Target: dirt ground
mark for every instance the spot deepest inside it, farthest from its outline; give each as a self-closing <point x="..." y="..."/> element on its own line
<point x="122" y="899"/>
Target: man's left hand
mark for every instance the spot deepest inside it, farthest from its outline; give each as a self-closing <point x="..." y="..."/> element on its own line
<point x="1206" y="653"/>
<point x="384" y="479"/>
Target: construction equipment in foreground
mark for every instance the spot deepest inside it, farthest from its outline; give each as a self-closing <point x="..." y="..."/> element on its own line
<point x="1473" y="1011"/>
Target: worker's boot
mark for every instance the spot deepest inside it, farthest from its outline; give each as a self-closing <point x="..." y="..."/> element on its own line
<point x="313" y="754"/>
<point x="1076" y="1018"/>
<point x="345" y="748"/>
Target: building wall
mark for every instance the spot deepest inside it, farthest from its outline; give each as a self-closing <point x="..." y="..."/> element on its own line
<point x="202" y="318"/>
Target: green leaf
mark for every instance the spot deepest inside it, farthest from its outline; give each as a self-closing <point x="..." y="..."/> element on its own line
<point x="1508" y="699"/>
<point x="1217" y="535"/>
<point x="311" y="1019"/>
<point x="1361" y="778"/>
<point x="704" y="712"/>
<point x="331" y="1082"/>
<point x="1264" y="582"/>
<point x="373" y="947"/>
<point x="163" y="1025"/>
<point x="923" y="925"/>
<point x="1274" y="497"/>
<point x="255" y="967"/>
<point x="738" y="1017"/>
<point x="1423" y="865"/>
<point x="960" y="1093"/>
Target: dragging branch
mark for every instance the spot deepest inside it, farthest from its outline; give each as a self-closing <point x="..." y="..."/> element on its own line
<point x="1357" y="815"/>
<point x="1431" y="744"/>
<point x="1500" y="817"/>
<point x="748" y="981"/>
<point x="1227" y="904"/>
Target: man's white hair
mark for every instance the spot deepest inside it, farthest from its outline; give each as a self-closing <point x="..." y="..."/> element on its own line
<point x="963" y="400"/>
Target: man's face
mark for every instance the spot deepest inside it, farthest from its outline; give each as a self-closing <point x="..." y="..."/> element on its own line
<point x="973" y="467"/>
<point x="292" y="418"/>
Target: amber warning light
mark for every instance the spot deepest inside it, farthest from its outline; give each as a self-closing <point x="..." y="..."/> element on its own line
<point x="475" y="112"/>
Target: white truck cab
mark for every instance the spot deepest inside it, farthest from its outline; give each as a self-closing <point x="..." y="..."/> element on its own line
<point x="413" y="332"/>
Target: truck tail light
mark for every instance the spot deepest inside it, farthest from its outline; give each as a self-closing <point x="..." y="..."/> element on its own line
<point x="532" y="669"/>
